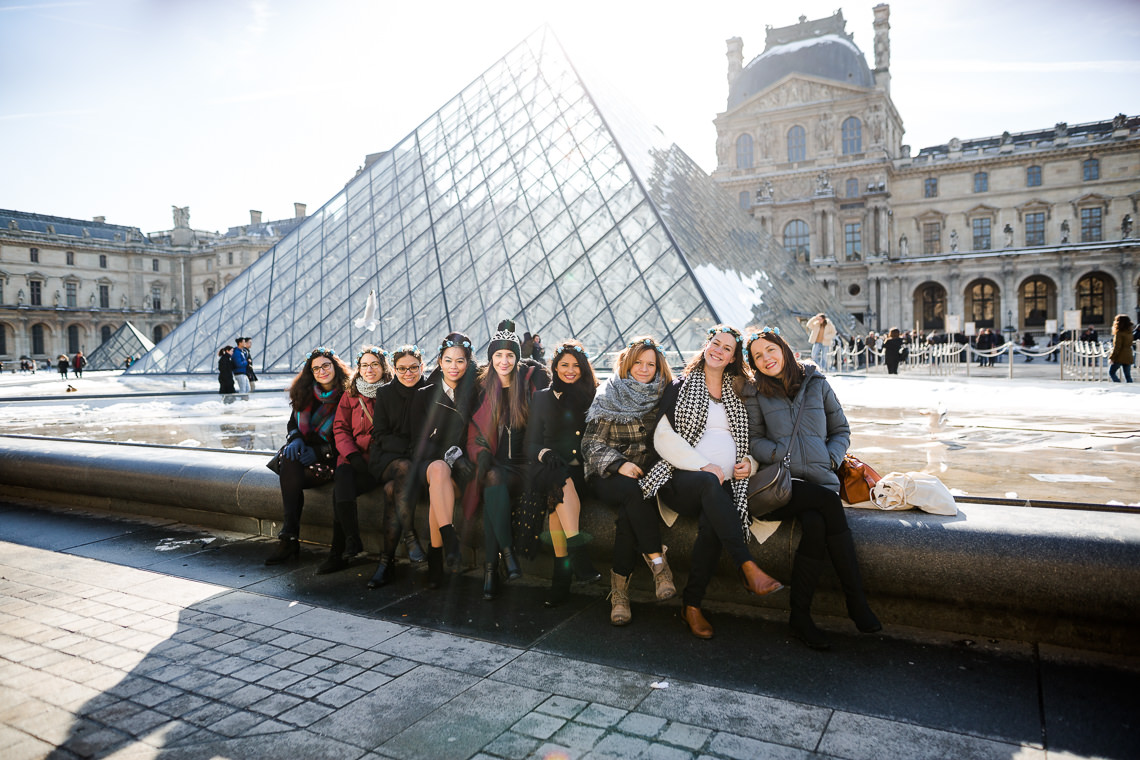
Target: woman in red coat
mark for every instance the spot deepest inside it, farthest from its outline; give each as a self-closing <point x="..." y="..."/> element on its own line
<point x="352" y="430"/>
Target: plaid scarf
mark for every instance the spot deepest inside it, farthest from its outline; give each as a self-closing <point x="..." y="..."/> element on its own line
<point x="691" y="415"/>
<point x="318" y="417"/>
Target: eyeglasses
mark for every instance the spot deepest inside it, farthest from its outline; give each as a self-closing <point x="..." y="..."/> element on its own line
<point x="370" y="365"/>
<point x="322" y="368"/>
<point x="408" y="370"/>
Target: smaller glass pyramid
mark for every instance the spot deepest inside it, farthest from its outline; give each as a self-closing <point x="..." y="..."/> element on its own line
<point x="124" y="342"/>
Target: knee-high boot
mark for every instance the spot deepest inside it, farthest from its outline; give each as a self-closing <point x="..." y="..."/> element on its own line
<point x="435" y="567"/>
<point x="580" y="564"/>
<point x="497" y="527"/>
<point x="805" y="578"/>
<point x="841" y="547"/>
<point x="335" y="561"/>
<point x="344" y="513"/>
<point x="559" y="582"/>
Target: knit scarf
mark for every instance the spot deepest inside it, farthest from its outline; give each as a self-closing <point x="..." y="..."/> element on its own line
<point x="624" y="400"/>
<point x="691" y="415"/>
<point x="368" y="389"/>
<point x="318" y="417"/>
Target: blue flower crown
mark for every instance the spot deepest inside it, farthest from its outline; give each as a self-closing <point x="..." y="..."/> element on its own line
<point x="566" y="348"/>
<point x="374" y="350"/>
<point x="452" y="344"/>
<point x="712" y="331"/>
<point x="756" y="335"/>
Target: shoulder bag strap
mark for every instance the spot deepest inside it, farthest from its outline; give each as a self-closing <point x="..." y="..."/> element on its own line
<point x="364" y="408"/>
<point x="796" y="424"/>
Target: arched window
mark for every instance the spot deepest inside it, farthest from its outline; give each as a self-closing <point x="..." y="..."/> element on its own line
<point x="37" y="339"/>
<point x="852" y="130"/>
<point x="158" y="331"/>
<point x="72" y="339"/>
<point x="1036" y="300"/>
<point x="930" y="306"/>
<point x="104" y="334"/>
<point x="1096" y="297"/>
<point x="797" y="240"/>
<point x="797" y="144"/>
<point x="744" y="152"/>
<point x="983" y="304"/>
<point x="852" y="188"/>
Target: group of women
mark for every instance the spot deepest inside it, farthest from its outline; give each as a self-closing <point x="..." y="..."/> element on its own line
<point x="527" y="443"/>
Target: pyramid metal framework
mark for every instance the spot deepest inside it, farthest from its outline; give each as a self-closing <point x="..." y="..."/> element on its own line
<point x="124" y="342"/>
<point x="527" y="196"/>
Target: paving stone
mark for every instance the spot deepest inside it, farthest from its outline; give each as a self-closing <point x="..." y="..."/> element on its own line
<point x="563" y="707"/>
<point x="142" y="722"/>
<point x="369" y="680"/>
<point x="239" y="723"/>
<point x="305" y="714"/>
<point x="157" y="695"/>
<point x="312" y="665"/>
<point x="254" y="672"/>
<point x="339" y="696"/>
<point x="260" y="652"/>
<point x="180" y="705"/>
<point x="725" y="744"/>
<point x="310" y="687"/>
<point x="263" y="634"/>
<point x="367" y="659"/>
<point x="685" y="735"/>
<point x="395" y="666"/>
<point x="208" y="714"/>
<point x="641" y="725"/>
<point x="284" y="659"/>
<point x="280" y="679"/>
<point x="247" y="695"/>
<point x="538" y="725"/>
<point x="299" y="643"/>
<point x="228" y="665"/>
<point x="620" y="747"/>
<point x="244" y="607"/>
<point x="514" y="746"/>
<point x="659" y="751"/>
<point x="215" y="640"/>
<point x="449" y="651"/>
<point x="342" y="652"/>
<point x="195" y="680"/>
<point x="219" y="686"/>
<point x="275" y="704"/>
<point x="583" y="680"/>
<point x="578" y="736"/>
<point x="341" y="672"/>
<point x="862" y="736"/>
<point x="342" y="627"/>
<point x="600" y="715"/>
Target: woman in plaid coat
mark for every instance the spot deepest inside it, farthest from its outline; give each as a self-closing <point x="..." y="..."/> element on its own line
<point x="618" y="445"/>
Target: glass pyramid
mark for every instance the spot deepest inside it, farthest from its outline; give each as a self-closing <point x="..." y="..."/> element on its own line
<point x="124" y="342"/>
<point x="527" y="196"/>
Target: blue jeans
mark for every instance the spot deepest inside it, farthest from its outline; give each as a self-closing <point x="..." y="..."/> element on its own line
<point x="1127" y="372"/>
<point x="819" y="355"/>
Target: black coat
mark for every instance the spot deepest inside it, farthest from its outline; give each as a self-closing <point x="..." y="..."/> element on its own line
<point x="225" y="374"/>
<point x="552" y="424"/>
<point x="392" y="425"/>
<point x="437" y="423"/>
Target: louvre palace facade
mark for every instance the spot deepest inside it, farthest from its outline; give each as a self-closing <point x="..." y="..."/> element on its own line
<point x="68" y="285"/>
<point x="1004" y="231"/>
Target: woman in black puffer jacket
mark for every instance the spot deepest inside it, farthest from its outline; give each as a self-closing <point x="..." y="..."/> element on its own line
<point x="780" y="387"/>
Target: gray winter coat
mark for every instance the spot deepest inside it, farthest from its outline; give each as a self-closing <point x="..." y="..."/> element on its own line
<point x="823" y="436"/>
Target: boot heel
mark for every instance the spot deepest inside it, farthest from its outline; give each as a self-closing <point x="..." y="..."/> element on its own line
<point x="287" y="549"/>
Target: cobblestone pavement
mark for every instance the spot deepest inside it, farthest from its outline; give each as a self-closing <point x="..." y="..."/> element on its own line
<point x="134" y="658"/>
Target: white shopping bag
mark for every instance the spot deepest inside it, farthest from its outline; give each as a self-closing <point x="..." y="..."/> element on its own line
<point x="904" y="490"/>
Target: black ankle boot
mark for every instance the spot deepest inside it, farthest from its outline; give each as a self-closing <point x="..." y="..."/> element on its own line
<point x="288" y="548"/>
<point x="491" y="579"/>
<point x="559" y="583"/>
<point x="514" y="572"/>
<point x="452" y="555"/>
<point x="580" y="560"/>
<point x="352" y="547"/>
<point x="334" y="562"/>
<point x="344" y="513"/>
<point x="435" y="567"/>
<point x="805" y="578"/>
<point x="415" y="551"/>
<point x="383" y="574"/>
<point x="841" y="547"/>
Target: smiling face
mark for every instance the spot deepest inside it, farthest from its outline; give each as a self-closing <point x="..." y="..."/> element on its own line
<point x="370" y="368"/>
<point x="768" y="357"/>
<point x="503" y="361"/>
<point x="644" y="367"/>
<point x="719" y="350"/>
<point x="324" y="372"/>
<point x="453" y="363"/>
<point x="567" y="369"/>
<point x="408" y="370"/>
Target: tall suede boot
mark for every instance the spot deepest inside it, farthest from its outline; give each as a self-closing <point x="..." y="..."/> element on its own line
<point x="491" y="578"/>
<point x="344" y="513"/>
<point x="841" y="547"/>
<point x="452" y="556"/>
<point x="335" y="561"/>
<point x="580" y="564"/>
<point x="435" y="566"/>
<point x="497" y="527"/>
<point x="559" y="583"/>
<point x="805" y="578"/>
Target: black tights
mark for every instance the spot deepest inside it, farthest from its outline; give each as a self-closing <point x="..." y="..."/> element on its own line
<point x="295" y="478"/>
<point x="637" y="527"/>
<point x="820" y="514"/>
<point x="399" y="506"/>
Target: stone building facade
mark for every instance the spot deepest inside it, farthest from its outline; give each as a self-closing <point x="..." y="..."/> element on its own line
<point x="68" y="284"/>
<point x="1002" y="232"/>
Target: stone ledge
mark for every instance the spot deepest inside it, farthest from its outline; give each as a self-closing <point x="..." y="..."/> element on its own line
<point x="1057" y="576"/>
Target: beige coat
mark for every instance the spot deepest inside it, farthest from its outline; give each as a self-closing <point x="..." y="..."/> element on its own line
<point x="820" y="331"/>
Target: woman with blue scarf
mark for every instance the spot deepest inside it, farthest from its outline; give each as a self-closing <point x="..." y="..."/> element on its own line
<point x="313" y="396"/>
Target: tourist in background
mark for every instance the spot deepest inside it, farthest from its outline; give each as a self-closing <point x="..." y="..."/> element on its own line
<point x="1123" y="354"/>
<point x="618" y="444"/>
<point x="309" y="455"/>
<point x="496" y="442"/>
<point x="554" y="428"/>
<point x="62" y="363"/>
<point x="352" y="431"/>
<point x="225" y="371"/>
<point x="892" y="351"/>
<point x="391" y="460"/>
<point x="441" y="411"/>
<point x="78" y="363"/>
<point x="780" y="387"/>
<point x="821" y="335"/>
<point x="702" y="438"/>
<point x="241" y="367"/>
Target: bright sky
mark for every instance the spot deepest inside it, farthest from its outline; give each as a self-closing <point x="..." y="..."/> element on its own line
<point x="123" y="108"/>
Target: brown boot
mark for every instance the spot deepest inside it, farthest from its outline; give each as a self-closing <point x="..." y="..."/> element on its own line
<point x="698" y="626"/>
<point x="620" y="614"/>
<point x="662" y="576"/>
<point x="756" y="581"/>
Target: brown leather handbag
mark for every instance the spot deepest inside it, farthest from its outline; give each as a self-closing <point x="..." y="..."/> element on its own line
<point x="856" y="478"/>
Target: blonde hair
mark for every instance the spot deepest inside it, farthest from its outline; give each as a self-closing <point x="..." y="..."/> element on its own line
<point x="630" y="354"/>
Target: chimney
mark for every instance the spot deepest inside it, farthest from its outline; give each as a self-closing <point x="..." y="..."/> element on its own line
<point x="882" y="27"/>
<point x="299" y="210"/>
<point x="254" y="217"/>
<point x="99" y="219"/>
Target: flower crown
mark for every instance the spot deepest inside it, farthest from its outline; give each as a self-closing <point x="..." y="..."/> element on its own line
<point x="374" y="350"/>
<point x="646" y="342"/>
<point x="566" y="348"/>
<point x="410" y="349"/>
<point x="756" y="335"/>
<point x="452" y="344"/>
<point x="712" y="331"/>
<point x="321" y="351"/>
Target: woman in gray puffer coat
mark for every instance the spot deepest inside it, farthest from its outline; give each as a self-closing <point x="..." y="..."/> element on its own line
<point x="780" y="386"/>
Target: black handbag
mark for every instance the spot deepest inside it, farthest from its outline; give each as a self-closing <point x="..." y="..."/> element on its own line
<point x="321" y="470"/>
<point x="771" y="487"/>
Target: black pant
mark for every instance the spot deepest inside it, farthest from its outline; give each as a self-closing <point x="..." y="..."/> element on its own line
<point x="699" y="494"/>
<point x="637" y="527"/>
<point x="820" y="513"/>
<point x="348" y="483"/>
<point x="295" y="478"/>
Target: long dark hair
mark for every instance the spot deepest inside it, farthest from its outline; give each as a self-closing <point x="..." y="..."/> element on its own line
<point x="581" y="392"/>
<point x="386" y="374"/>
<point x="1122" y="323"/>
<point x="466" y="388"/>
<point x="735" y="367"/>
<point x="491" y="387"/>
<point x="790" y="378"/>
<point x="301" y="391"/>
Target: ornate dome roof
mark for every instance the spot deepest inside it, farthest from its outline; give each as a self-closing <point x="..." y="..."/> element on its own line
<point x="817" y="48"/>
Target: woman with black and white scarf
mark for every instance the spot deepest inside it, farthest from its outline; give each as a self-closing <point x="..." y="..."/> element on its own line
<point x="702" y="438"/>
